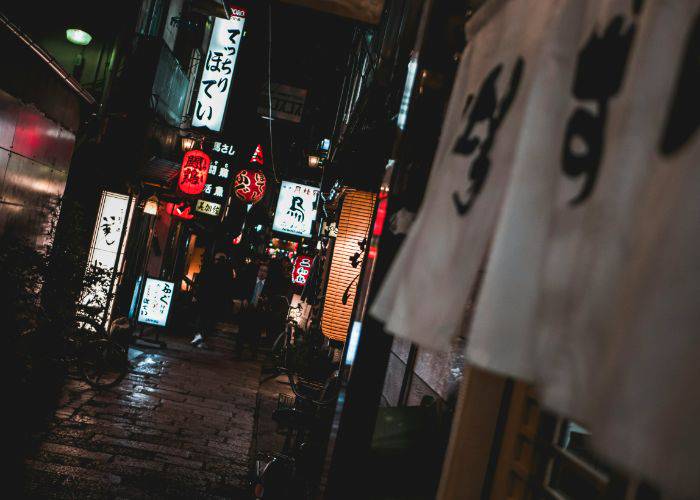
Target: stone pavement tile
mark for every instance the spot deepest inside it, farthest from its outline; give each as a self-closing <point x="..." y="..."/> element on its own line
<point x="73" y="452"/>
<point x="180" y="427"/>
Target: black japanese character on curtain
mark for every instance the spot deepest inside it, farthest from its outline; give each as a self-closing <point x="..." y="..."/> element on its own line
<point x="486" y="107"/>
<point x="600" y="72"/>
<point x="684" y="112"/>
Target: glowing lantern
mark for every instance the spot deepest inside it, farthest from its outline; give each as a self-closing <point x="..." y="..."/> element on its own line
<point x="249" y="186"/>
<point x="237" y="239"/>
<point x="193" y="173"/>
<point x="302" y="268"/>
<point x="181" y="210"/>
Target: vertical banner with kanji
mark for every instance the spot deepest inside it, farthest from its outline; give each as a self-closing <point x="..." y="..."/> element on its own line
<point x="108" y="241"/>
<point x="217" y="76"/>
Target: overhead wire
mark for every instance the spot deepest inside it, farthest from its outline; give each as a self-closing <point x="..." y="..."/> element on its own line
<point x="269" y="88"/>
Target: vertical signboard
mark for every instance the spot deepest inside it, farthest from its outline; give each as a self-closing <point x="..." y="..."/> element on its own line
<point x="217" y="76"/>
<point x="109" y="237"/>
<point x="353" y="229"/>
<point x="214" y="199"/>
<point x="155" y="302"/>
<point x="296" y="209"/>
<point x="302" y="269"/>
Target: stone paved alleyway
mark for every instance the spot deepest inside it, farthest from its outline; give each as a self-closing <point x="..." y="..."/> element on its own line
<point x="180" y="425"/>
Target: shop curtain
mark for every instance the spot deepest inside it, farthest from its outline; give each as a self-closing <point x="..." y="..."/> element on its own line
<point x="583" y="172"/>
<point x="427" y="289"/>
<point x="592" y="290"/>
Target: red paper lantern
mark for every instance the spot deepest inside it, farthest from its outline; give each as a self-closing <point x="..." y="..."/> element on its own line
<point x="302" y="268"/>
<point x="193" y="173"/>
<point x="181" y="210"/>
<point x="249" y="185"/>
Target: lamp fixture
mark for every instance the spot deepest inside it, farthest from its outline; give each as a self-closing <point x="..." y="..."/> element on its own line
<point x="78" y="36"/>
<point x="188" y="143"/>
<point x="151" y="206"/>
<point x="314" y="161"/>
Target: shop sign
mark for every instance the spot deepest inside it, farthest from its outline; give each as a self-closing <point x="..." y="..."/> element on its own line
<point x="109" y="237"/>
<point x="285" y="102"/>
<point x="353" y="228"/>
<point x="182" y="210"/>
<point x="155" y="302"/>
<point x="218" y="71"/>
<point x="217" y="189"/>
<point x="193" y="172"/>
<point x="207" y="207"/>
<point x="296" y="209"/>
<point x="302" y="268"/>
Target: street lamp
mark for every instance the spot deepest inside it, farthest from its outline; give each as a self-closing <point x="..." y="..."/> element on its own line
<point x="314" y="161"/>
<point x="78" y="36"/>
<point x="188" y="143"/>
<point x="151" y="206"/>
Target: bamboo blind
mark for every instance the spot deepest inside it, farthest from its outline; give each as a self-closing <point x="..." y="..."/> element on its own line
<point x="353" y="227"/>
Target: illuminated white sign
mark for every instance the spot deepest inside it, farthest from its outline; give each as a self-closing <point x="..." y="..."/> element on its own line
<point x="207" y="207"/>
<point x="296" y="209"/>
<point x="155" y="302"/>
<point x="217" y="76"/>
<point x="108" y="238"/>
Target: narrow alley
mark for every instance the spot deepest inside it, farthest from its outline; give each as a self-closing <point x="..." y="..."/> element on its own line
<point x="179" y="425"/>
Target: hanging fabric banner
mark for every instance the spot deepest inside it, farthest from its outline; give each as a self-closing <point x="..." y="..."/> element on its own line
<point x="444" y="250"/>
<point x="592" y="286"/>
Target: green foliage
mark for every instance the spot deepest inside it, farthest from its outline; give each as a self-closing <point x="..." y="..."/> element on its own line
<point x="41" y="285"/>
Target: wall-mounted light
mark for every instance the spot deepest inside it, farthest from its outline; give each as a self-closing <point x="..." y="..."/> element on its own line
<point x="151" y="206"/>
<point x="78" y="37"/>
<point x="313" y="161"/>
<point x="188" y="143"/>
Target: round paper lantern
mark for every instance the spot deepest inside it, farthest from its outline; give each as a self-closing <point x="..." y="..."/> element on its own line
<point x="193" y="173"/>
<point x="249" y="185"/>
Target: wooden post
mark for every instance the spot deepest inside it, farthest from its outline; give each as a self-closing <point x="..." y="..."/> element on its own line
<point x="471" y="439"/>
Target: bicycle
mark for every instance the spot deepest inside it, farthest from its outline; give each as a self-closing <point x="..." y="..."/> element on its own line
<point x="292" y="473"/>
<point x="280" y="347"/>
<point x="100" y="360"/>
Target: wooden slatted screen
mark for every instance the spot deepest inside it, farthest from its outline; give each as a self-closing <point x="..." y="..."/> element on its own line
<point x="353" y="227"/>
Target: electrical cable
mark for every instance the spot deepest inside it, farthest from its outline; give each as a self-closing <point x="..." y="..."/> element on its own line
<point x="269" y="88"/>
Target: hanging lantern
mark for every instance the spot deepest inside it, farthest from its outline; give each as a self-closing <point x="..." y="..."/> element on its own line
<point x="180" y="210"/>
<point x="249" y="186"/>
<point x="193" y="173"/>
<point x="237" y="239"/>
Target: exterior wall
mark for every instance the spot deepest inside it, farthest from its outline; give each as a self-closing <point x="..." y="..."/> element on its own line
<point x="170" y="30"/>
<point x="433" y="374"/>
<point x="35" y="154"/>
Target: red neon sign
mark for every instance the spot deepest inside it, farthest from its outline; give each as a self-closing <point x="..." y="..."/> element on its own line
<point x="193" y="173"/>
<point x="181" y="210"/>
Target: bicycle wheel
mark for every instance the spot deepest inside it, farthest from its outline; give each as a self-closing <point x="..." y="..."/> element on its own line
<point x="103" y="363"/>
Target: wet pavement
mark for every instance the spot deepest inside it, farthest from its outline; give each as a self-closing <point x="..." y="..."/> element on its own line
<point x="180" y="425"/>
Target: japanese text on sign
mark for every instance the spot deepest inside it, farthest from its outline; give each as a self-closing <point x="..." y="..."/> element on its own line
<point x="296" y="209"/>
<point x="219" y="66"/>
<point x="155" y="302"/>
<point x="207" y="207"/>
